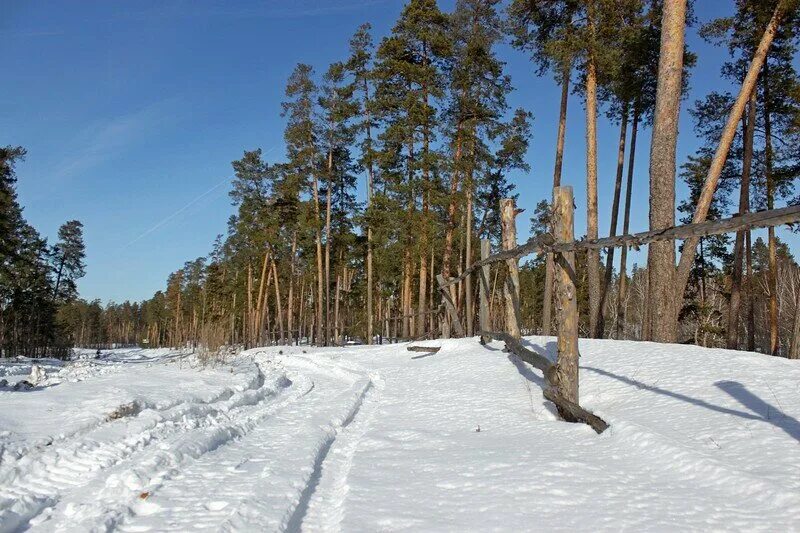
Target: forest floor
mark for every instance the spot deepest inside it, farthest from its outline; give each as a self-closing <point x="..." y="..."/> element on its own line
<point x="379" y="438"/>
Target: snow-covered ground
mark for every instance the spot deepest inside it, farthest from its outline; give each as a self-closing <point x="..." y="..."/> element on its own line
<point x="379" y="438"/>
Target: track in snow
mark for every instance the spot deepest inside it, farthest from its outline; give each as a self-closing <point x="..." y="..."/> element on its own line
<point x="275" y="457"/>
<point x="115" y="462"/>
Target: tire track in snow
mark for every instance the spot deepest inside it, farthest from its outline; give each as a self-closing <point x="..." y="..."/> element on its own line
<point x="328" y="479"/>
<point x="109" y="504"/>
<point x="326" y="505"/>
<point x="14" y="454"/>
<point x="249" y="484"/>
<point x="40" y="483"/>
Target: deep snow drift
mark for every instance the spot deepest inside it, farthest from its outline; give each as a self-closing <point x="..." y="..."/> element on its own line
<point x="379" y="438"/>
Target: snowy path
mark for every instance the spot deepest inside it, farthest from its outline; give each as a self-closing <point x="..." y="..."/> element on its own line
<point x="377" y="438"/>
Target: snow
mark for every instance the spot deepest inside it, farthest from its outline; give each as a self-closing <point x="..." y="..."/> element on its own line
<point x="377" y="438"/>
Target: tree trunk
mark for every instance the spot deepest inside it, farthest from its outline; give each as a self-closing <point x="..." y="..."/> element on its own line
<point x="772" y="273"/>
<point x="337" y="332"/>
<point x="278" y="306"/>
<point x="661" y="255"/>
<point x="614" y="217"/>
<point x="370" y="185"/>
<point x="328" y="247"/>
<point x="718" y="162"/>
<point x="734" y="306"/>
<point x="470" y="311"/>
<point x="290" y="297"/>
<point x="751" y="317"/>
<point x="406" y="296"/>
<point x="626" y="221"/>
<point x="592" y="256"/>
<point x="320" y="280"/>
<point x="794" y="347"/>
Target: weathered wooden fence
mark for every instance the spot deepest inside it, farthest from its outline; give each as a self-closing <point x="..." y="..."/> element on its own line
<point x="562" y="376"/>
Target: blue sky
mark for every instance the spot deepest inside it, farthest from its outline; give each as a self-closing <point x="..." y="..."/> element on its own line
<point x="132" y="112"/>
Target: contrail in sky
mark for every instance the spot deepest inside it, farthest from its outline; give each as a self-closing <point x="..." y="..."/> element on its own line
<point x="178" y="212"/>
<point x="185" y="207"/>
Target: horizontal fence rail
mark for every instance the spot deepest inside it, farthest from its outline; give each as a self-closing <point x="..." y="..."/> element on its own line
<point x="545" y="243"/>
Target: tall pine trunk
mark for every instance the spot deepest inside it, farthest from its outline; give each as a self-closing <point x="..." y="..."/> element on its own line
<point x="592" y="256"/>
<point x="469" y="183"/>
<point x="328" y="247"/>
<point x="661" y="255"/>
<point x="290" y="296"/>
<point x="772" y="272"/>
<point x="623" y="132"/>
<point x="319" y="336"/>
<point x="734" y="307"/>
<point x="751" y="316"/>
<point x="622" y="293"/>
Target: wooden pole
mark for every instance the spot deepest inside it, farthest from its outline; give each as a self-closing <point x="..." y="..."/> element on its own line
<point x="483" y="315"/>
<point x="508" y="215"/>
<point x="566" y="375"/>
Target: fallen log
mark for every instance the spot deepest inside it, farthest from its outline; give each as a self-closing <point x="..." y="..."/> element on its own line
<point x="569" y="411"/>
<point x="426" y="349"/>
<point x="529" y="356"/>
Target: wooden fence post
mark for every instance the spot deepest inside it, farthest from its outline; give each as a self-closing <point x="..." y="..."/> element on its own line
<point x="483" y="274"/>
<point x="508" y="214"/>
<point x="566" y="375"/>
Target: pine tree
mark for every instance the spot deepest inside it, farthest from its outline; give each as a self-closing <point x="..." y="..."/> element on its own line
<point x="67" y="257"/>
<point x="360" y="66"/>
<point x="410" y="81"/>
<point x="301" y="139"/>
<point x="475" y="117"/>
<point x="338" y="107"/>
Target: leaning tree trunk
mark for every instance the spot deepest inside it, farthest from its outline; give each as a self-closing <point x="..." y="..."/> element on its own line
<point x="623" y="131"/>
<point x="718" y="162"/>
<point x="661" y="255"/>
<point x="626" y="222"/>
<point x="734" y="306"/>
<point x="547" y="304"/>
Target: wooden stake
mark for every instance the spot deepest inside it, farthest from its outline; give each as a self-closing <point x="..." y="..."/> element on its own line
<point x="508" y="215"/>
<point x="566" y="375"/>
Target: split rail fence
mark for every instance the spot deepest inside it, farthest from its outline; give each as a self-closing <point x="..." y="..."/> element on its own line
<point x="562" y="376"/>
